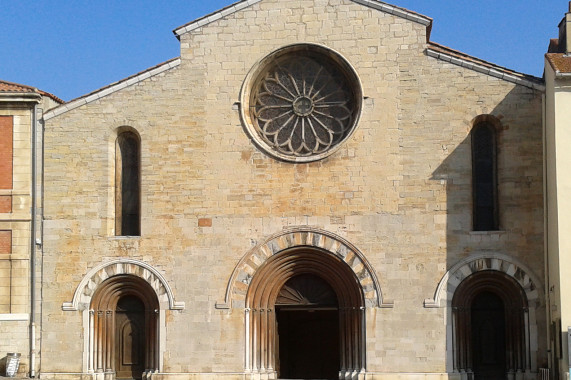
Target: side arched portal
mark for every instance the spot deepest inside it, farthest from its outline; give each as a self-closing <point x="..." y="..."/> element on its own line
<point x="490" y="318"/>
<point x="501" y="273"/>
<point x="272" y="281"/>
<point x="125" y="329"/>
<point x="98" y="279"/>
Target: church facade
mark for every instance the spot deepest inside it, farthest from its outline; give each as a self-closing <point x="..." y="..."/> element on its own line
<point x="312" y="190"/>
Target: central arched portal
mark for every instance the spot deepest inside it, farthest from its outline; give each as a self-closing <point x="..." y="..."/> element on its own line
<point x="305" y="317"/>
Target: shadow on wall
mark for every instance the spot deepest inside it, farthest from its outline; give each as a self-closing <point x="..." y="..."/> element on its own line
<point x="516" y="241"/>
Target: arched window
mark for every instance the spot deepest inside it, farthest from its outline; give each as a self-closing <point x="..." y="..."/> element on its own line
<point x="127" y="185"/>
<point x="484" y="177"/>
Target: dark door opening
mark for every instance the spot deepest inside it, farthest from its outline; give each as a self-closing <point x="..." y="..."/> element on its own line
<point x="488" y="337"/>
<point x="129" y="338"/>
<point x="308" y="343"/>
<point x="307" y="316"/>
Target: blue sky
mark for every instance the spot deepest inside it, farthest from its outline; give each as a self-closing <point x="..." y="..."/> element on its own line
<point x="72" y="47"/>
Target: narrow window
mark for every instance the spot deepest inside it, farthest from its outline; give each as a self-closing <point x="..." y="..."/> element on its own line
<point x="6" y="161"/>
<point x="127" y="185"/>
<point x="484" y="178"/>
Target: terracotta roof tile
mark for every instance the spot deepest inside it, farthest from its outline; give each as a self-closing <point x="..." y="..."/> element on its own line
<point x="52" y="96"/>
<point x="560" y="62"/>
<point x="10" y="87"/>
<point x="14" y="87"/>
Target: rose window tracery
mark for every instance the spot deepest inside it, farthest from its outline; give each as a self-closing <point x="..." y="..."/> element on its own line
<point x="303" y="104"/>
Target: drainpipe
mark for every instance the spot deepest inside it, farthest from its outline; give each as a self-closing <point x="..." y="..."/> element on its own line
<point x="546" y="232"/>
<point x="33" y="250"/>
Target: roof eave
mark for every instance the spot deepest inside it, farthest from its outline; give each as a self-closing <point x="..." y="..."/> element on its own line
<point x="20" y="97"/>
<point x="232" y="8"/>
<point x="397" y="11"/>
<point x="476" y="64"/>
<point x="562" y="75"/>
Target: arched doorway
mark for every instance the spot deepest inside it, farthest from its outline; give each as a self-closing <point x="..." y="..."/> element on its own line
<point x="489" y="311"/>
<point x="305" y="317"/>
<point x="125" y="327"/>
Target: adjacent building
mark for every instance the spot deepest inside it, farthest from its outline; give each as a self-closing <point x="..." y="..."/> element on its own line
<point x="558" y="194"/>
<point x="20" y="194"/>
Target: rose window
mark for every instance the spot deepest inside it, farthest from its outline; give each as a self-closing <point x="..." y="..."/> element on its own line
<point x="303" y="104"/>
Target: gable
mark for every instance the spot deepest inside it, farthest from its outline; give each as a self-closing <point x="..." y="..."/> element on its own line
<point x="434" y="50"/>
<point x="372" y="25"/>
<point x="240" y="5"/>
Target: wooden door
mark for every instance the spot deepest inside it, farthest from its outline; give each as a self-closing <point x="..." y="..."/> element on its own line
<point x="129" y="338"/>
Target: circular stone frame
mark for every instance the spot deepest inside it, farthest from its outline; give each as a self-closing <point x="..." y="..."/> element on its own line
<point x="307" y="111"/>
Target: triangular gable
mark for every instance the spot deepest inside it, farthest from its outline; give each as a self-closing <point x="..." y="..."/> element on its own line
<point x="375" y="4"/>
<point x="434" y="50"/>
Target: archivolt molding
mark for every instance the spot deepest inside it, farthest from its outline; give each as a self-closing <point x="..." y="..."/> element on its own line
<point x="88" y="285"/>
<point x="303" y="237"/>
<point x="481" y="262"/>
